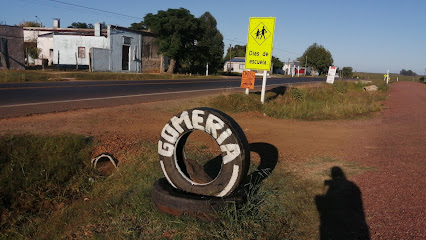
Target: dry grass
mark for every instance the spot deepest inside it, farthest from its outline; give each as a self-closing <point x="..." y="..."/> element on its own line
<point x="342" y="100"/>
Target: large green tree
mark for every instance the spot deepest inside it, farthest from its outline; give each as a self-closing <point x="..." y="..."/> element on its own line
<point x="317" y="57"/>
<point x="407" y="73"/>
<point x="277" y="63"/>
<point x="138" y="26"/>
<point x="236" y="51"/>
<point x="210" y="46"/>
<point x="178" y="32"/>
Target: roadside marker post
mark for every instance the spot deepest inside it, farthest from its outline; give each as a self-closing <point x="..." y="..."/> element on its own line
<point x="260" y="39"/>
<point x="387" y="77"/>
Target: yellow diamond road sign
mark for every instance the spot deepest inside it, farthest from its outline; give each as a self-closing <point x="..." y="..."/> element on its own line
<point x="260" y="33"/>
<point x="259" y="43"/>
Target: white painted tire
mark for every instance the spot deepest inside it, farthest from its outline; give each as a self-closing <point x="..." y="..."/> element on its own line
<point x="227" y="134"/>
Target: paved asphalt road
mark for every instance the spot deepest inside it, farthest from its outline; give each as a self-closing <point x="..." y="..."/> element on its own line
<point x="21" y="99"/>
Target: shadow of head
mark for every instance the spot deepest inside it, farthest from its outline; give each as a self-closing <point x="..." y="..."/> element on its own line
<point x="337" y="173"/>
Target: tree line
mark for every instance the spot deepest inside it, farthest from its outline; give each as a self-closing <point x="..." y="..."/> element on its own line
<point x="407" y="73"/>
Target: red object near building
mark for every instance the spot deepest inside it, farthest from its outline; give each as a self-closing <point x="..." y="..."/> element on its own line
<point x="301" y="71"/>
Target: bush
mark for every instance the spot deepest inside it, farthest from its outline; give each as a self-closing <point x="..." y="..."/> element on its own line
<point x="34" y="52"/>
<point x="296" y="94"/>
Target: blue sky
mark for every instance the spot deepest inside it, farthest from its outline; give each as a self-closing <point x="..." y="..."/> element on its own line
<point x="368" y="35"/>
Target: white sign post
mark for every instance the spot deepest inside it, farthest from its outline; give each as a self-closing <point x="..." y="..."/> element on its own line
<point x="331" y="74"/>
<point x="387" y="77"/>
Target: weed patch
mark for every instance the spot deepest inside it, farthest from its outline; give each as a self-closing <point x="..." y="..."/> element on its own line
<point x="77" y="204"/>
<point x="342" y="100"/>
<point x="119" y="207"/>
<point x="38" y="176"/>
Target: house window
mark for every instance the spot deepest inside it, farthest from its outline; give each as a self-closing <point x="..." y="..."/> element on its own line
<point x="242" y="66"/>
<point x="81" y="52"/>
<point x="127" y="40"/>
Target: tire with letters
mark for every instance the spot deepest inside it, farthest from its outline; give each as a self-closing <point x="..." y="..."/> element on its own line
<point x="228" y="135"/>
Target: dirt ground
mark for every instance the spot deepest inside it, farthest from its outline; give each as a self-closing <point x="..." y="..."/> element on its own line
<point x="392" y="144"/>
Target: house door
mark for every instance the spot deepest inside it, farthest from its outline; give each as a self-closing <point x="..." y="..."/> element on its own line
<point x="125" y="60"/>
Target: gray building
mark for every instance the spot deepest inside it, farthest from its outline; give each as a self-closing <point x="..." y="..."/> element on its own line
<point x="128" y="51"/>
<point x="12" y="47"/>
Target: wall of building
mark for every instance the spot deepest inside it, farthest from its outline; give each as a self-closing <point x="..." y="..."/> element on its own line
<point x="152" y="61"/>
<point x="45" y="43"/>
<point x="11" y="47"/>
<point x="100" y="59"/>
<point x="235" y="66"/>
<point x="66" y="47"/>
<point x="117" y="37"/>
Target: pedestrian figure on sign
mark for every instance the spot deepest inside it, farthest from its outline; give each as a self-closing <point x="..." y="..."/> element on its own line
<point x="263" y="32"/>
<point x="257" y="34"/>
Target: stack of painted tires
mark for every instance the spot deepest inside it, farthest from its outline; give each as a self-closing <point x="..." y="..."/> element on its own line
<point x="178" y="193"/>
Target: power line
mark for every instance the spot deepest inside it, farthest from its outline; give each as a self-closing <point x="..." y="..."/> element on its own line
<point x="94" y="9"/>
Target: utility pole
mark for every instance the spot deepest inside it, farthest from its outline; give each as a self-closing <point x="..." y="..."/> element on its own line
<point x="288" y="65"/>
<point x="230" y="58"/>
<point x="306" y="63"/>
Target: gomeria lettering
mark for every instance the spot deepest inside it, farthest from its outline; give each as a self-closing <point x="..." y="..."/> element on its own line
<point x="213" y="126"/>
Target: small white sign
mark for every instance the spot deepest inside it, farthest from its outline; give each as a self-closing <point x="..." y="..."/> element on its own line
<point x="331" y="74"/>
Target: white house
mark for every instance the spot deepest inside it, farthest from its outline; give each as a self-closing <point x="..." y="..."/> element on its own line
<point x="236" y="64"/>
<point x="295" y="67"/>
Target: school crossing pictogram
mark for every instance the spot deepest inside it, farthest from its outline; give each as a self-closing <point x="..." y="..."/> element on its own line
<point x="260" y="33"/>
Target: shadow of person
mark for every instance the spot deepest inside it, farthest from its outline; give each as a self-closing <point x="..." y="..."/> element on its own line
<point x="340" y="209"/>
<point x="278" y="91"/>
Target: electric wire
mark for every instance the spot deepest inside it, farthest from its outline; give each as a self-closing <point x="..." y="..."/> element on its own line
<point x="94" y="9"/>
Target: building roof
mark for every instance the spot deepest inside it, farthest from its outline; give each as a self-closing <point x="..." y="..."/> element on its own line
<point x="237" y="59"/>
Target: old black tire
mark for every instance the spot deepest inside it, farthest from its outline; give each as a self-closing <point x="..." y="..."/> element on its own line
<point x="228" y="135"/>
<point x="176" y="202"/>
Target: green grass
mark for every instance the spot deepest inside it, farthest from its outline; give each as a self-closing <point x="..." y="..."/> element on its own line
<point x="51" y="75"/>
<point x="380" y="77"/>
<point x="25" y="76"/>
<point x="38" y="176"/>
<point x="52" y="194"/>
<point x="342" y="100"/>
